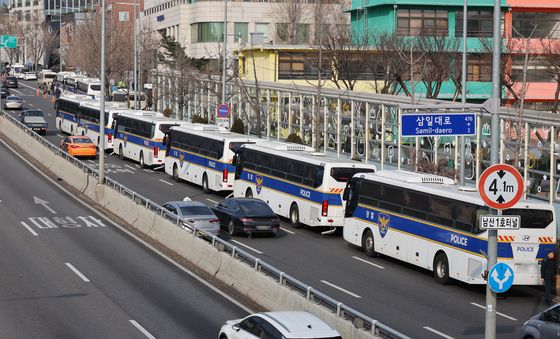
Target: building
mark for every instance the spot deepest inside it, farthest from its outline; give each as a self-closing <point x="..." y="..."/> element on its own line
<point x="441" y="20"/>
<point x="198" y="25"/>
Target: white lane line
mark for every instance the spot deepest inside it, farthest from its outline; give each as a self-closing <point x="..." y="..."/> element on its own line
<point x="32" y="231"/>
<point x="249" y="247"/>
<point x="438" y="332"/>
<point x="368" y="262"/>
<point x="60" y="135"/>
<point x="147" y="170"/>
<point x="131" y="167"/>
<point x="78" y="273"/>
<point x="340" y="289"/>
<point x="498" y="313"/>
<point x="31" y="105"/>
<point x="141" y="329"/>
<point x="50" y="115"/>
<point x="158" y="168"/>
<point x="287" y="230"/>
<point x="212" y="201"/>
<point x="166" y="182"/>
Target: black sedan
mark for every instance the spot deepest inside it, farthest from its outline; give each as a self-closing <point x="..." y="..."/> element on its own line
<point x="246" y="215"/>
<point x="11" y="82"/>
<point x="4" y="92"/>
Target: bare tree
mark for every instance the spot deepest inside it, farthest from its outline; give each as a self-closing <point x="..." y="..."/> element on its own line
<point x="38" y="38"/>
<point x="436" y="65"/>
<point x="291" y="16"/>
<point x="388" y="69"/>
<point x="12" y="26"/>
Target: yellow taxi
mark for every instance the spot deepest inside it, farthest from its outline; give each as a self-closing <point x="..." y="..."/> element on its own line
<point x="79" y="146"/>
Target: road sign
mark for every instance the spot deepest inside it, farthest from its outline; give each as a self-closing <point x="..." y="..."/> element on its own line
<point x="500" y="277"/>
<point x="435" y="124"/>
<point x="502" y="222"/>
<point x="500" y="186"/>
<point x="8" y="41"/>
<point x="223" y="111"/>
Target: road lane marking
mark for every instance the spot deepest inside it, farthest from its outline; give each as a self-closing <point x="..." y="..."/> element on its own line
<point x="368" y="262"/>
<point x="129" y="233"/>
<point x="166" y="182"/>
<point x="60" y="135"/>
<point x="147" y="170"/>
<point x="50" y="115"/>
<point x="498" y="313"/>
<point x="141" y="329"/>
<point x="212" y="201"/>
<point x="438" y="332"/>
<point x="287" y="230"/>
<point x="131" y="167"/>
<point x="32" y="231"/>
<point x="246" y="246"/>
<point x="340" y="289"/>
<point x="158" y="168"/>
<point x="78" y="273"/>
<point x="31" y="105"/>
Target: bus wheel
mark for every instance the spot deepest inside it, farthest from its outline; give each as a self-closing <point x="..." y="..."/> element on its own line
<point x="175" y="172"/>
<point x="142" y="163"/>
<point x="205" y="187"/>
<point x="441" y="269"/>
<point x="368" y="244"/>
<point x="294" y="216"/>
<point x="249" y="193"/>
<point x="121" y="153"/>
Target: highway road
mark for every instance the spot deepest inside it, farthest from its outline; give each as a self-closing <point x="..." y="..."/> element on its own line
<point x="67" y="272"/>
<point x="397" y="294"/>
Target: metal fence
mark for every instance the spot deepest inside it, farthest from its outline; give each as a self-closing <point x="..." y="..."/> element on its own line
<point x="359" y="319"/>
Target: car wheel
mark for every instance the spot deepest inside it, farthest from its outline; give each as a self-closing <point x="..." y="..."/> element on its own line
<point x="249" y="193"/>
<point x="176" y="172"/>
<point x="231" y="228"/>
<point x="441" y="269"/>
<point x="121" y="152"/>
<point x="294" y="216"/>
<point x="368" y="244"/>
<point x="142" y="163"/>
<point x="205" y="187"/>
<point x="223" y="336"/>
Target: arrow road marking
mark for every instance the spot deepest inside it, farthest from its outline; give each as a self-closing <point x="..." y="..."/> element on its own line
<point x="39" y="201"/>
<point x="501" y="282"/>
<point x="498" y="313"/>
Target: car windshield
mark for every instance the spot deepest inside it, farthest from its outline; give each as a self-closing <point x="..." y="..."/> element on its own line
<point x="34" y="113"/>
<point x="30" y="73"/>
<point x="82" y="141"/>
<point x="255" y="208"/>
<point x="13" y="99"/>
<point x="95" y="87"/>
<point x="196" y="210"/>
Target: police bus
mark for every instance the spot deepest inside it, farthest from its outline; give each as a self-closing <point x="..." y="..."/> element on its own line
<point x="89" y="86"/>
<point x="202" y="154"/>
<point x="90" y="116"/>
<point x="295" y="181"/>
<point x="431" y="222"/>
<point x="67" y="109"/>
<point x="140" y="137"/>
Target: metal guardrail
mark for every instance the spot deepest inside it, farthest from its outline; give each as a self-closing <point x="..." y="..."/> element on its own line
<point x="357" y="318"/>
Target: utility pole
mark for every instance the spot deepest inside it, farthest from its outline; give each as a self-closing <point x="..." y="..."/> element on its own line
<point x="490" y="325"/>
<point x="135" y="76"/>
<point x="463" y="96"/>
<point x="224" y="55"/>
<point x="102" y="99"/>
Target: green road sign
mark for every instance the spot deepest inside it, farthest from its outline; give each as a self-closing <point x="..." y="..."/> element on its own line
<point x="8" y="41"/>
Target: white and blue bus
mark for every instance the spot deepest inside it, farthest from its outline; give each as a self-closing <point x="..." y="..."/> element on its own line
<point x="89" y="121"/>
<point x="67" y="108"/>
<point x="296" y="182"/>
<point x="89" y="86"/>
<point x="429" y="221"/>
<point x="202" y="154"/>
<point x="140" y="137"/>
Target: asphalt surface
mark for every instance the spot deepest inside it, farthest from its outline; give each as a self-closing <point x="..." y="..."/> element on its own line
<point x="397" y="294"/>
<point x="66" y="272"/>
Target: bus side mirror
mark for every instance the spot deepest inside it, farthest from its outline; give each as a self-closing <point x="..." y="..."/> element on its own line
<point x="346" y="194"/>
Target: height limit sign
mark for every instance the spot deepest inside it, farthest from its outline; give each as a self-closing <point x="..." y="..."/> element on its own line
<point x="500" y="186"/>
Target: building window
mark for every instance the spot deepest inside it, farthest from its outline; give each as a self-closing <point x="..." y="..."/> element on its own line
<point x="479" y="68"/>
<point x="545" y="25"/>
<point x="292" y="33"/>
<point x="536" y="72"/>
<point x="262" y="27"/>
<point x="241" y="31"/>
<point x="479" y="24"/>
<point x="123" y="16"/>
<point x="413" y="22"/>
<point x="207" y="32"/>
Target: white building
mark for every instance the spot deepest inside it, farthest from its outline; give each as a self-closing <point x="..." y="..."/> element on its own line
<point x="198" y="25"/>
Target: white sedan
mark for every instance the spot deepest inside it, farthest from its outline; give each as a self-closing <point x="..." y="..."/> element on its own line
<point x="29" y="76"/>
<point x="12" y="102"/>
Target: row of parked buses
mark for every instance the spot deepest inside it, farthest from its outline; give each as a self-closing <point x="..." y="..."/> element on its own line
<point x="421" y="219"/>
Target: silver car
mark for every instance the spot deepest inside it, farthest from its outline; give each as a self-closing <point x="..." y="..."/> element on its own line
<point x="195" y="214"/>
<point x="543" y="325"/>
<point x="12" y="102"/>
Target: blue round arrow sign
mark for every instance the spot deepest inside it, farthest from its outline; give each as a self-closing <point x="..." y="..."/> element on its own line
<point x="500" y="277"/>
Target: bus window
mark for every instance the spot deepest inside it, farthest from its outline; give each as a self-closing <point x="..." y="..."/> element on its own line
<point x="531" y="218"/>
<point x="441" y="211"/>
<point x="343" y="174"/>
<point x="464" y="215"/>
<point x="392" y="198"/>
<point x="415" y="204"/>
<point x="165" y="127"/>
